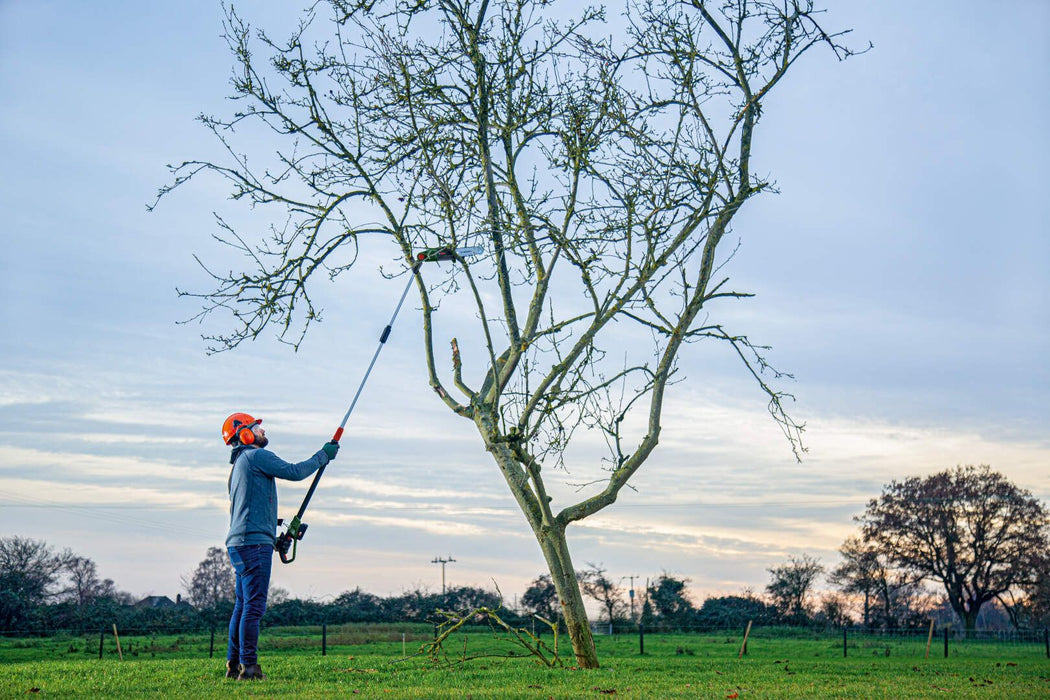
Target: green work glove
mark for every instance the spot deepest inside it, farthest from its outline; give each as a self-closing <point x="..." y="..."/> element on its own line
<point x="331" y="449"/>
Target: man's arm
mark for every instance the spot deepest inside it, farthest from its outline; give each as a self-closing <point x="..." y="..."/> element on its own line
<point x="269" y="463"/>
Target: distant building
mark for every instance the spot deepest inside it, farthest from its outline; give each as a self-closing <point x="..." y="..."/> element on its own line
<point x="156" y="601"/>
<point x="162" y="602"/>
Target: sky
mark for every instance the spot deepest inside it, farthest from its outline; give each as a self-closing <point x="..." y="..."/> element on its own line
<point x="901" y="275"/>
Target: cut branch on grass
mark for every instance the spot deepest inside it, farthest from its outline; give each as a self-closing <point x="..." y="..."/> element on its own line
<point x="542" y="653"/>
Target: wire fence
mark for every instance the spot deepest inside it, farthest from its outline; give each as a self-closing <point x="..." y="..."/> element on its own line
<point x="931" y="641"/>
<point x="112" y="642"/>
<point x="1001" y="636"/>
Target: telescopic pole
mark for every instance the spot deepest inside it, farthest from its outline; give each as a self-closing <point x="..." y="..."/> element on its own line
<point x="364" y="380"/>
<point x="296" y="527"/>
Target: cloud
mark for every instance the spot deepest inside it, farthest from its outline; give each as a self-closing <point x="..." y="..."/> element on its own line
<point x="74" y="467"/>
<point x="388" y="489"/>
<point x="43" y="492"/>
<point x="454" y="510"/>
<point x="446" y="528"/>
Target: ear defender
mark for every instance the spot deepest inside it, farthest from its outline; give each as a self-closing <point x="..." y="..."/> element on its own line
<point x="246" y="436"/>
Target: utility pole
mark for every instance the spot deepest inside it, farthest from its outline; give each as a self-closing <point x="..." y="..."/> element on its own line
<point x="646" y="594"/>
<point x="630" y="594"/>
<point x="439" y="560"/>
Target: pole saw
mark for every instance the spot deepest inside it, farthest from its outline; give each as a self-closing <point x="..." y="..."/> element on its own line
<point x="287" y="542"/>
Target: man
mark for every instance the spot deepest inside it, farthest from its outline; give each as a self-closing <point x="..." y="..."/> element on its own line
<point x="253" y="524"/>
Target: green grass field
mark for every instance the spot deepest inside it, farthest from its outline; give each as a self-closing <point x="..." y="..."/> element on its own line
<point x="368" y="662"/>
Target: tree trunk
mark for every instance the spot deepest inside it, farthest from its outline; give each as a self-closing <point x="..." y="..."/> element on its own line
<point x="967" y="609"/>
<point x="556" y="552"/>
<point x="970" y="619"/>
<point x="550" y="534"/>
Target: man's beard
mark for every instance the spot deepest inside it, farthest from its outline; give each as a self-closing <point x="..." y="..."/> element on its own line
<point x="262" y="442"/>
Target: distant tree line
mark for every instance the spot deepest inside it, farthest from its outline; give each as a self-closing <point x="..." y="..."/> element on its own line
<point x="39" y="584"/>
<point x="962" y="546"/>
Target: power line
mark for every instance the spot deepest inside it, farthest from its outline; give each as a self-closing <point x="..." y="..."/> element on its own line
<point x="101" y="512"/>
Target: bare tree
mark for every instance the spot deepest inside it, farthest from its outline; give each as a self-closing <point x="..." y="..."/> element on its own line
<point x="599" y="165"/>
<point x="1033" y="609"/>
<point x="890" y="597"/>
<point x="967" y="528"/>
<point x="597" y="585"/>
<point x="30" y="569"/>
<point x="29" y="576"/>
<point x="83" y="586"/>
<point x="860" y="573"/>
<point x="83" y="581"/>
<point x="213" y="580"/>
<point x="791" y="584"/>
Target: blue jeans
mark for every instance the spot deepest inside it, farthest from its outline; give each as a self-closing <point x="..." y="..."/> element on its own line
<point x="251" y="564"/>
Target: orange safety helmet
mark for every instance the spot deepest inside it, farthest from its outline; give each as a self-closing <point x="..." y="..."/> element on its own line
<point x="239" y="426"/>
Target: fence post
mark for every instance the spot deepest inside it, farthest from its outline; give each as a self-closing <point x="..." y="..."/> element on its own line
<point x="641" y="638"/>
<point x="743" y="647"/>
<point x="844" y="641"/>
<point x="117" y="637"/>
<point x="211" y="647"/>
<point x="101" y="641"/>
<point x="946" y="642"/>
<point x="324" y="639"/>
<point x="1046" y="641"/>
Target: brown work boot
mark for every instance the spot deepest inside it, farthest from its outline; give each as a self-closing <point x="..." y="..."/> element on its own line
<point x="251" y="672"/>
<point x="233" y="669"/>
